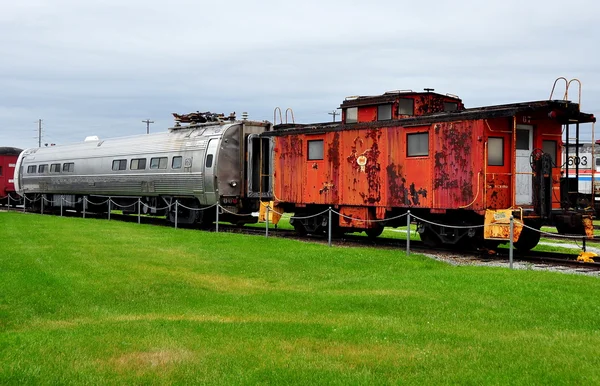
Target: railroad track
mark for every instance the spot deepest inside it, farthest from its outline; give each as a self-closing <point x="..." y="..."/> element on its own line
<point x="416" y="246"/>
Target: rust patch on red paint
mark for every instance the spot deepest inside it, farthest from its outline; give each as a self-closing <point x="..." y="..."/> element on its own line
<point x="291" y="147"/>
<point x="399" y="194"/>
<point x="333" y="152"/>
<point x="414" y="194"/>
<point x="452" y="161"/>
<point x="367" y="162"/>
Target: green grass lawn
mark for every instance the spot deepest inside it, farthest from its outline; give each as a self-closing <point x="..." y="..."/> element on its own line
<point x="86" y="301"/>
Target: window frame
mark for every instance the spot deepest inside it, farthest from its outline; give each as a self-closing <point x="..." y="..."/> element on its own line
<point x="354" y="119"/>
<point x="32" y="169"/>
<point x="390" y="108"/>
<point x="412" y="106"/>
<point x="178" y="157"/>
<point x="121" y="165"/>
<point x="43" y="168"/>
<point x="501" y="152"/>
<point x="158" y="166"/>
<point x="68" y="167"/>
<point x="54" y="168"/>
<point x="140" y="164"/>
<point x="416" y="135"/>
<point x="310" y="156"/>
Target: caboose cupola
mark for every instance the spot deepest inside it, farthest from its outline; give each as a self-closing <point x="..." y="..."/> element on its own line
<point x="397" y="104"/>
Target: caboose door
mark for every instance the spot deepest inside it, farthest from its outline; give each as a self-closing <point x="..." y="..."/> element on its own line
<point x="524" y="188"/>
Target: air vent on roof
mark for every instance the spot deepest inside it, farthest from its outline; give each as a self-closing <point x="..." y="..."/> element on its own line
<point x="91" y="138"/>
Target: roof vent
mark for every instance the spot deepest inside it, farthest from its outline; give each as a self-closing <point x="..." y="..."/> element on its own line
<point x="91" y="138"/>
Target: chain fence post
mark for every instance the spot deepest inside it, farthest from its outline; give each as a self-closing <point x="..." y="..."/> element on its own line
<point x="267" y="223"/>
<point x="511" y="235"/>
<point x="408" y="233"/>
<point x="61" y="205"/>
<point x="176" y="210"/>
<point x="42" y="206"/>
<point x="8" y="207"/>
<point x="109" y="207"/>
<point x="24" y="202"/>
<point x="583" y="241"/>
<point x="329" y="228"/>
<point x="139" y="209"/>
<point x="84" y="205"/>
<point x="217" y="219"/>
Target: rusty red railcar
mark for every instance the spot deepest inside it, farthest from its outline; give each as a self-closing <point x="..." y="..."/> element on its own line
<point x="8" y="159"/>
<point x="425" y="152"/>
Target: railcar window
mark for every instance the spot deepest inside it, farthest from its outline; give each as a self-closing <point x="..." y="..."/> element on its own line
<point x="549" y="147"/>
<point x="176" y="163"/>
<point x="31" y="169"/>
<point x="209" y="159"/>
<point x="158" y="163"/>
<point x="42" y="168"/>
<point x="406" y="106"/>
<point x="119" y="164"/>
<point x="54" y="168"/>
<point x="522" y="139"/>
<point x="68" y="167"/>
<point x="417" y="144"/>
<point x="496" y="151"/>
<point x="138" y="164"/>
<point x="315" y="150"/>
<point x="352" y="115"/>
<point x="384" y="112"/>
<point x="0" y="170"/>
<point x="450" y="106"/>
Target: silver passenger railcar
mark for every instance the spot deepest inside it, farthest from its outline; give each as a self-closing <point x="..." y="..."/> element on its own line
<point x="196" y="165"/>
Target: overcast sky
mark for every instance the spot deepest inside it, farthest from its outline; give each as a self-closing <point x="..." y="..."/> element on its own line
<point x="101" y="67"/>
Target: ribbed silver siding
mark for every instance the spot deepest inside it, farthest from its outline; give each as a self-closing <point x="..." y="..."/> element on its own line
<point x="93" y="173"/>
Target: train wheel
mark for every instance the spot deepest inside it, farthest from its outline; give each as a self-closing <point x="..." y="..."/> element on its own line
<point x="528" y="240"/>
<point x="299" y="228"/>
<point x="374" y="232"/>
<point x="429" y="237"/>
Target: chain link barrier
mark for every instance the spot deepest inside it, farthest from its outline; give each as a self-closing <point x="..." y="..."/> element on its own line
<point x="269" y="209"/>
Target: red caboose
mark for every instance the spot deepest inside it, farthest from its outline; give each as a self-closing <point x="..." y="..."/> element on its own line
<point x="424" y="152"/>
<point x="8" y="159"/>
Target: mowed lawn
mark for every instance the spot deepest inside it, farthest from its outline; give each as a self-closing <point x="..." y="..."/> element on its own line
<point x="86" y="301"/>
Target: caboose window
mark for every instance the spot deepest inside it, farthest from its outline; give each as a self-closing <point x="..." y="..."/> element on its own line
<point x="450" y="106"/>
<point x="31" y="169"/>
<point x="384" y="112"/>
<point x="138" y="164"/>
<point x="406" y="106"/>
<point x="417" y="144"/>
<point x="522" y="139"/>
<point x="55" y="168"/>
<point x="315" y="150"/>
<point x="549" y="147"/>
<point x="42" y="168"/>
<point x="119" y="164"/>
<point x="176" y="164"/>
<point x="158" y="163"/>
<point x="496" y="151"/>
<point x="68" y="167"/>
<point x="352" y="115"/>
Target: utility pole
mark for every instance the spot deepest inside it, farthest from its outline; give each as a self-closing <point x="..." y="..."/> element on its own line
<point x="148" y="122"/>
<point x="39" y="133"/>
<point x="334" y="113"/>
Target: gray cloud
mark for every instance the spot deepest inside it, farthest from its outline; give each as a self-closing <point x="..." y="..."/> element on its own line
<point x="99" y="69"/>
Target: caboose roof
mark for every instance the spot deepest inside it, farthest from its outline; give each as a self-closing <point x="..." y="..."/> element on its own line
<point x="567" y="112"/>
